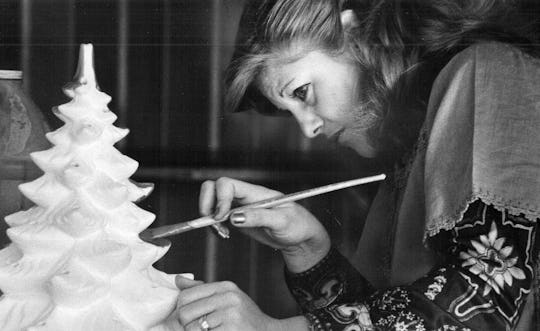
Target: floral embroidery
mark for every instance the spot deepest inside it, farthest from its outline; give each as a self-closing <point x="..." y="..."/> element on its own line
<point x="403" y="321"/>
<point x="491" y="261"/>
<point x="506" y="270"/>
<point x="314" y="323"/>
<point x="394" y="299"/>
<point x="323" y="293"/>
<point x="352" y="313"/>
<point x="400" y="326"/>
<point x="489" y="265"/>
<point x="396" y="302"/>
<point x="452" y="328"/>
<point x="436" y="287"/>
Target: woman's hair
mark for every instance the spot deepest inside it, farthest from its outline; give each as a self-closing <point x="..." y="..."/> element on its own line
<point x="400" y="46"/>
<point x="269" y="28"/>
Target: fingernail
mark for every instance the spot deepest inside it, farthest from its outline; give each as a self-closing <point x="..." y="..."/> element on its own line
<point x="238" y="218"/>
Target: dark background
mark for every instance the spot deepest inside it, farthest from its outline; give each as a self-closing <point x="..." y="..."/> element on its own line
<point x="162" y="62"/>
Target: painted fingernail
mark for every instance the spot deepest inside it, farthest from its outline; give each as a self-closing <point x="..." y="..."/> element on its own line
<point x="238" y="218"/>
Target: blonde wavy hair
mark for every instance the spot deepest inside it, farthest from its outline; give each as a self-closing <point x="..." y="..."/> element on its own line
<point x="400" y="45"/>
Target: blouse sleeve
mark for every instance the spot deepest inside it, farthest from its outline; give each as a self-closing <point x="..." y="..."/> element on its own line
<point x="483" y="284"/>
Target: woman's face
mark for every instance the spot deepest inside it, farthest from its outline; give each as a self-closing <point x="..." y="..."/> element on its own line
<point x="322" y="92"/>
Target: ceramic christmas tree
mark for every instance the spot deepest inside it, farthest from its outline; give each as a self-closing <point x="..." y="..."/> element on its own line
<point x="75" y="261"/>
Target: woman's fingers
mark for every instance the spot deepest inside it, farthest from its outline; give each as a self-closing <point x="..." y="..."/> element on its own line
<point x="206" y="300"/>
<point x="225" y="194"/>
<point x="214" y="320"/>
<point x="248" y="193"/>
<point x="189" y="295"/>
<point x="204" y="307"/>
<point x="219" y="306"/>
<point x="225" y="190"/>
<point x="274" y="219"/>
<point x="207" y="197"/>
<point x="184" y="283"/>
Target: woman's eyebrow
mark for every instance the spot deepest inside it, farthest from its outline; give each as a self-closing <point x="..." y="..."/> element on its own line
<point x="284" y="87"/>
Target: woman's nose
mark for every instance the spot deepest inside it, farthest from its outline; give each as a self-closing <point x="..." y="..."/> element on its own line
<point x="310" y="123"/>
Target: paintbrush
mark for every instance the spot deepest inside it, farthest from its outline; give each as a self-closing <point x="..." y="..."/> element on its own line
<point x="173" y="229"/>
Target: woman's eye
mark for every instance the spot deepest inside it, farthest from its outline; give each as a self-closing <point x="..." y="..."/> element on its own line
<point x="301" y="92"/>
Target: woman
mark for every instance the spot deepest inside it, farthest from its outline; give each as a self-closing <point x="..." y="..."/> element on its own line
<point x="444" y="91"/>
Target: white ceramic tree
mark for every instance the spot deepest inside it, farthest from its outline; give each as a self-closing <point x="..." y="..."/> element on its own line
<point x="75" y="261"/>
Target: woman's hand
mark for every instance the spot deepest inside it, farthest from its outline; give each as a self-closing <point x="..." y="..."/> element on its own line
<point x="223" y="306"/>
<point x="289" y="227"/>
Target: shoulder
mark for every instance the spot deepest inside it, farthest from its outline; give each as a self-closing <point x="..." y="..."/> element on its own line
<point x="489" y="67"/>
<point x="492" y="58"/>
<point x="490" y="51"/>
<point x="482" y="134"/>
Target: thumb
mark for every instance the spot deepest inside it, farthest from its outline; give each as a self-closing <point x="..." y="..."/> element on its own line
<point x="259" y="217"/>
<point x="183" y="283"/>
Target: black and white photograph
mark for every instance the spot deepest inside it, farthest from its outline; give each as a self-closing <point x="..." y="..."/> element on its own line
<point x="269" y="165"/>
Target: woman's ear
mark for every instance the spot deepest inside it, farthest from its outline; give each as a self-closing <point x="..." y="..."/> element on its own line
<point x="349" y="19"/>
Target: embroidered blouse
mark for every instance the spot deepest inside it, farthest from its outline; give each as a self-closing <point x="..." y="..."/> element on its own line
<point x="470" y="193"/>
<point x="483" y="283"/>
